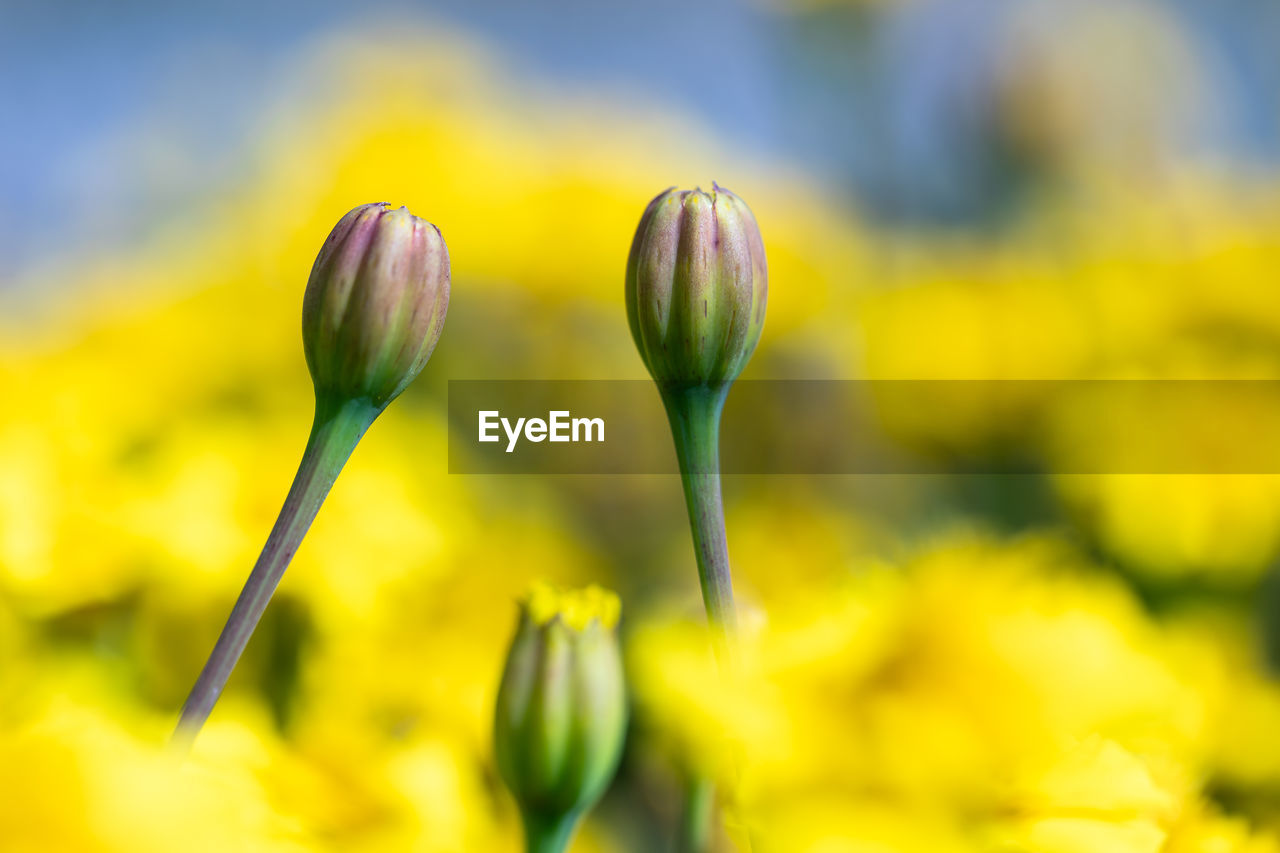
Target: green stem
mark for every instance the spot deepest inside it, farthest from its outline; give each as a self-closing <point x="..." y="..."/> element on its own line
<point x="694" y="412"/>
<point x="543" y="835"/>
<point x="334" y="435"/>
<point x="699" y="809"/>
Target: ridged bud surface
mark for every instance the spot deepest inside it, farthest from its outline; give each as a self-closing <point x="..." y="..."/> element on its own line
<point x="561" y="714"/>
<point x="375" y="304"/>
<point x="696" y="286"/>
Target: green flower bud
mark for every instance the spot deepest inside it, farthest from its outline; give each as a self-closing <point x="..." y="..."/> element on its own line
<point x="375" y="304"/>
<point x="696" y="287"/>
<point x="371" y="315"/>
<point x="561" y="714"/>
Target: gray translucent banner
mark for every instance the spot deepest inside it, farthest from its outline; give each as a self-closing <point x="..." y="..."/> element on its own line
<point x="819" y="427"/>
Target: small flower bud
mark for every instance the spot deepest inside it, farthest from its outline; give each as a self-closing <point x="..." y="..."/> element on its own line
<point x="371" y="315"/>
<point x="375" y="304"/>
<point x="561" y="714"/>
<point x="696" y="287"/>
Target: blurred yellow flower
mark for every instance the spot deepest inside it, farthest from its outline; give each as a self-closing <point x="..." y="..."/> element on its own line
<point x="976" y="694"/>
<point x="1016" y="695"/>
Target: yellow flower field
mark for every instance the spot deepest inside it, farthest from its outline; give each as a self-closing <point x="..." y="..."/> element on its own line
<point x="917" y="674"/>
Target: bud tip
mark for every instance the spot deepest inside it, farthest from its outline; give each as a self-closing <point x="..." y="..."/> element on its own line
<point x="576" y="608"/>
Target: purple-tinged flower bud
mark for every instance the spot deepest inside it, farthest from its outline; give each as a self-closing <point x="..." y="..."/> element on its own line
<point x="375" y="304"/>
<point x="696" y="287"/>
<point x="561" y="714"/>
<point x="371" y="315"/>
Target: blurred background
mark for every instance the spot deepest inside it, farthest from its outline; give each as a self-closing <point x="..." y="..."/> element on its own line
<point x="948" y="189"/>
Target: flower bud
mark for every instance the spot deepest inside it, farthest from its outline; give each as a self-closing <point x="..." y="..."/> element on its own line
<point x="696" y="286"/>
<point x="375" y="304"/>
<point x="561" y="714"/>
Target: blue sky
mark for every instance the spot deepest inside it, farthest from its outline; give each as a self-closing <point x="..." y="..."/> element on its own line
<point x="874" y="107"/>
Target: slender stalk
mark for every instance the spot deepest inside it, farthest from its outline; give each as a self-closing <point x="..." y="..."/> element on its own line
<point x="694" y="413"/>
<point x="695" y="822"/>
<point x="334" y="435"/>
<point x="548" y="835"/>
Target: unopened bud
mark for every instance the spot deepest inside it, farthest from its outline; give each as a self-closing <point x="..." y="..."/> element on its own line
<point x="375" y="304"/>
<point x="696" y="287"/>
<point x="371" y="315"/>
<point x="561" y="714"/>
